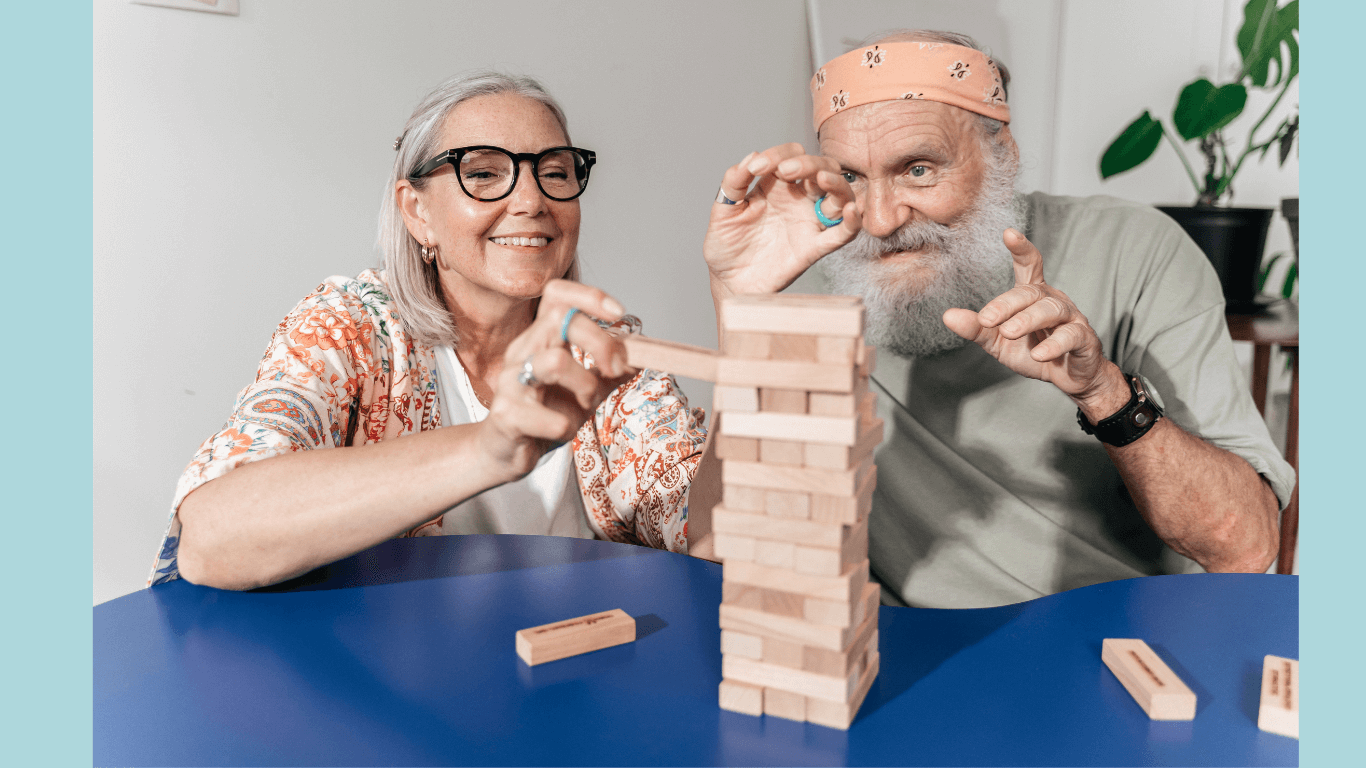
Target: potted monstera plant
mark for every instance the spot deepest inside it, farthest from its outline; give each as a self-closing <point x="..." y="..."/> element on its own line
<point x="1232" y="238"/>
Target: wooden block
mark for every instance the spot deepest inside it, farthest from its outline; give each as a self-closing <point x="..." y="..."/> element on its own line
<point x="825" y="456"/>
<point x="784" y="653"/>
<point x="726" y="546"/>
<point x="790" y="346"/>
<point x="846" y="587"/>
<point x="815" y="377"/>
<point x="827" y="661"/>
<point x="821" y="561"/>
<point x="778" y="452"/>
<point x="841" y="715"/>
<point x="784" y="704"/>
<point x="843" y="509"/>
<point x="739" y="644"/>
<point x="742" y="697"/>
<point x="742" y="498"/>
<point x="670" y="357"/>
<point x="867" y="362"/>
<point x="841" y="614"/>
<point x="775" y="400"/>
<point x="792" y="426"/>
<point x="831" y="404"/>
<point x="775" y="554"/>
<point x="1280" y="707"/>
<point x="810" y="684"/>
<point x="761" y="599"/>
<point x="560" y="639"/>
<point x="738" y="448"/>
<point x="785" y="505"/>
<point x="754" y="346"/>
<point x="793" y="313"/>
<point x="1148" y="679"/>
<point x="804" y="532"/>
<point x="740" y="399"/>
<point x="750" y="621"/>
<point x="867" y="408"/>
<point x="836" y="350"/>
<point x="831" y="482"/>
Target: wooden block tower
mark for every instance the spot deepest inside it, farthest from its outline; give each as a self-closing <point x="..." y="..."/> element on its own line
<point x="797" y="431"/>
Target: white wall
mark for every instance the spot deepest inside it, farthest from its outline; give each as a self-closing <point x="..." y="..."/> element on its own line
<point x="239" y="160"/>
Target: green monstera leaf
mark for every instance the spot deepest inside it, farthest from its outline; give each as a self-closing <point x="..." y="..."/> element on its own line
<point x="1136" y="144"/>
<point x="1265" y="28"/>
<point x="1203" y="109"/>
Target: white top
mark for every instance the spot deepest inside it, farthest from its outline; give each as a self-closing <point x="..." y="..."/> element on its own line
<point x="546" y="502"/>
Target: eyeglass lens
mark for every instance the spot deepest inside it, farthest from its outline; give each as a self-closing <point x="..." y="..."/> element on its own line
<point x="488" y="174"/>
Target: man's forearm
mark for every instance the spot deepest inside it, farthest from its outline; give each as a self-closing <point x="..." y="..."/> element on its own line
<point x="1204" y="502"/>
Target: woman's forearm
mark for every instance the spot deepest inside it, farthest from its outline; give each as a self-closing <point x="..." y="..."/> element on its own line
<point x="273" y="519"/>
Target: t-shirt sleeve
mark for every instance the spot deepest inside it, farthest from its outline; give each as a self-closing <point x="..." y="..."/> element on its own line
<point x="304" y="397"/>
<point x="1179" y="342"/>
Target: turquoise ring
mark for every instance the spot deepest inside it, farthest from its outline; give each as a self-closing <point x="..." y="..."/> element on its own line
<point x="826" y="221"/>
<point x="564" y="326"/>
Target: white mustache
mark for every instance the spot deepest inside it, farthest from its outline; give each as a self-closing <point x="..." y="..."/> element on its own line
<point x="911" y="236"/>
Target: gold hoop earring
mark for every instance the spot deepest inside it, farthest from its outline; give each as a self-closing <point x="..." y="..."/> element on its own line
<point x="428" y="252"/>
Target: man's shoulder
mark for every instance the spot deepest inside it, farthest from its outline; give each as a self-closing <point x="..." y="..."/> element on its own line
<point x="1099" y="222"/>
<point x="1041" y="205"/>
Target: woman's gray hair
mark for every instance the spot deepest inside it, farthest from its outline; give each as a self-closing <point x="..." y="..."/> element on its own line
<point x="990" y="125"/>
<point x="412" y="282"/>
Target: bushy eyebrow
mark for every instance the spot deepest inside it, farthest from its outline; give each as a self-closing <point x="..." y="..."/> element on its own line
<point x="928" y="153"/>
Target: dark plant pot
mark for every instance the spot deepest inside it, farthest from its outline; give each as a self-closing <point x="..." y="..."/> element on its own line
<point x="1290" y="209"/>
<point x="1233" y="239"/>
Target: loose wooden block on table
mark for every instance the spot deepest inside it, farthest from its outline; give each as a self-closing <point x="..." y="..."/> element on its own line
<point x="1280" y="706"/>
<point x="1148" y="679"/>
<point x="668" y="356"/>
<point x="814" y="377"/>
<point x="793" y="313"/>
<point x="560" y="639"/>
<point x="742" y="697"/>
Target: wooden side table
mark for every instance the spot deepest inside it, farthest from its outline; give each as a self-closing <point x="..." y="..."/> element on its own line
<point x="1280" y="325"/>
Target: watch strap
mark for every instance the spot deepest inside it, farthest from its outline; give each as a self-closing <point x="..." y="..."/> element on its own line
<point x="1131" y="422"/>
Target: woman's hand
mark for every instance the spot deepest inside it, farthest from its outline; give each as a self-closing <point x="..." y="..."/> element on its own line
<point x="527" y="419"/>
<point x="772" y="236"/>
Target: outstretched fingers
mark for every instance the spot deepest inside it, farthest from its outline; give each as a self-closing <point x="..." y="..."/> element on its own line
<point x="1028" y="262"/>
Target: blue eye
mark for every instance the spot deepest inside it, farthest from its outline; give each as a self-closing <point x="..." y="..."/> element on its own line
<point x="918" y="170"/>
<point x="848" y="177"/>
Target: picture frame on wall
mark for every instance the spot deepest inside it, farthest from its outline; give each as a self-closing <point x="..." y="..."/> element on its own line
<point x="225" y="7"/>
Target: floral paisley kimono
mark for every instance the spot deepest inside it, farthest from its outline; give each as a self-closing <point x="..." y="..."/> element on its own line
<point x="342" y="370"/>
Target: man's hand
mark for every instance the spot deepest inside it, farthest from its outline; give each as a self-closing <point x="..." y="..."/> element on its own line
<point x="1036" y="331"/>
<point x="772" y="235"/>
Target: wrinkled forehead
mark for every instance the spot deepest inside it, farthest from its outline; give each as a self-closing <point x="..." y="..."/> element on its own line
<point x="873" y="135"/>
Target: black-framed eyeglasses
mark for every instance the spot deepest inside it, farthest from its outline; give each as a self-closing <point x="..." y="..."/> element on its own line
<point x="489" y="173"/>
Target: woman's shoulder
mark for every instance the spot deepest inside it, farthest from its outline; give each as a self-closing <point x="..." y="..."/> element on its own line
<point x="364" y="299"/>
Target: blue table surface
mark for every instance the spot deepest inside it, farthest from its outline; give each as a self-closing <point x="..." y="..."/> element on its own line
<point x="403" y="655"/>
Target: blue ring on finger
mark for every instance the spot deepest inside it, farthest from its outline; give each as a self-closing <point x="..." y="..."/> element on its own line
<point x="826" y="221"/>
<point x="564" y="326"/>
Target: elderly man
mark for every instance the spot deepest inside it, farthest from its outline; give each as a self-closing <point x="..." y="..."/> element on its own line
<point x="1096" y="428"/>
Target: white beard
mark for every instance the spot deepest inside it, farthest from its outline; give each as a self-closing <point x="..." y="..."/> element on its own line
<point x="971" y="266"/>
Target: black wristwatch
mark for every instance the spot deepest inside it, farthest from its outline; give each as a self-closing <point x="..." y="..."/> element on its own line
<point x="1133" y="420"/>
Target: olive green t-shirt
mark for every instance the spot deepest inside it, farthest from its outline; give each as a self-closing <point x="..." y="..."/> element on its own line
<point x="988" y="492"/>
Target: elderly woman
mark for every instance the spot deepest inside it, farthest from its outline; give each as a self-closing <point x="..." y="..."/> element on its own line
<point x="517" y="411"/>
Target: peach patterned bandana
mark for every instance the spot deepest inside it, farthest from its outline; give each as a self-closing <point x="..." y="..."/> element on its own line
<point x="953" y="74"/>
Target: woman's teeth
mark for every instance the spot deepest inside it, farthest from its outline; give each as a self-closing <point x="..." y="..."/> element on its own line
<point x="534" y="242"/>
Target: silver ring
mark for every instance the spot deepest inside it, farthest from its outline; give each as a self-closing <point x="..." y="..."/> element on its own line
<point x="721" y="198"/>
<point x="527" y="377"/>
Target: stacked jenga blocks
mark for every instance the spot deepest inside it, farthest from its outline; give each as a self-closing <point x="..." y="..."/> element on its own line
<point x="797" y="431"/>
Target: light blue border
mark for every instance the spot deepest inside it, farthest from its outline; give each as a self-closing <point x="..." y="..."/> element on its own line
<point x="47" y="567"/>
<point x="1332" y="533"/>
